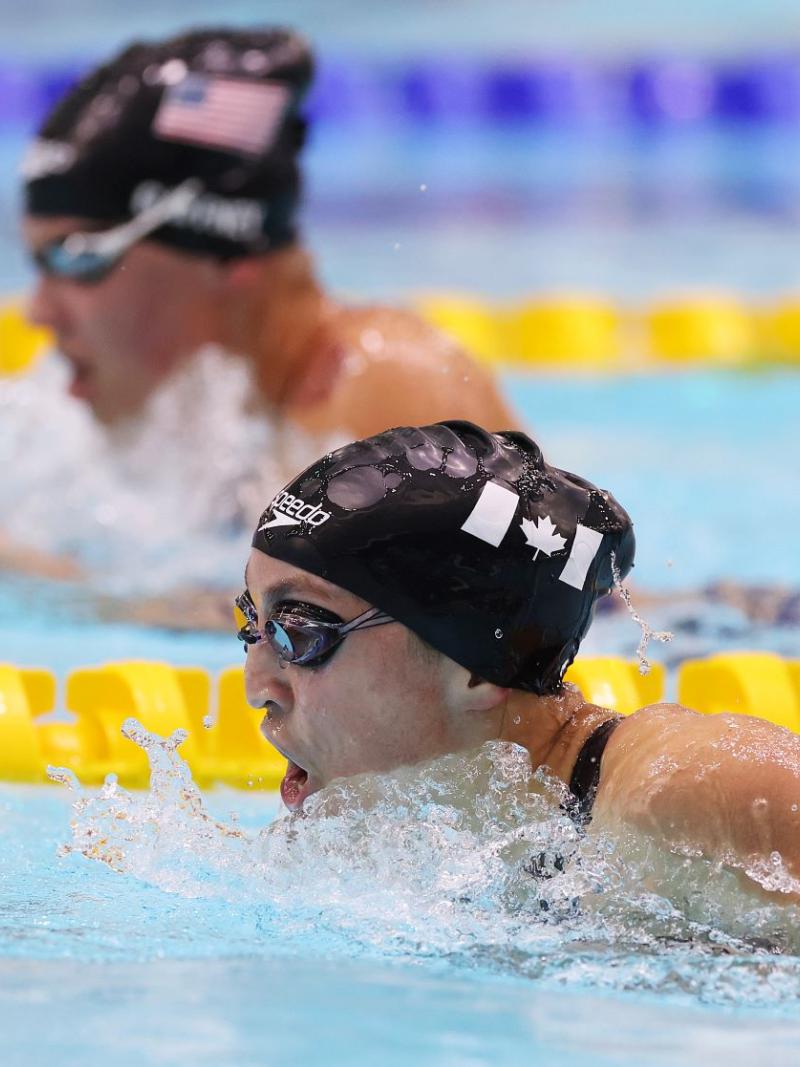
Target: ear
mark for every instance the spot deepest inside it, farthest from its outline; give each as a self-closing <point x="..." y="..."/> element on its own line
<point x="470" y="692"/>
<point x="243" y="273"/>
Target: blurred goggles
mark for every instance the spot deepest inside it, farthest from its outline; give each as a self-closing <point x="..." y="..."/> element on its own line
<point x="302" y="634"/>
<point x="90" y="257"/>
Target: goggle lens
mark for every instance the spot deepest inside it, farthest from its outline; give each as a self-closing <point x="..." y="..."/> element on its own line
<point x="303" y="634"/>
<point x="300" y="641"/>
<point x="55" y="260"/>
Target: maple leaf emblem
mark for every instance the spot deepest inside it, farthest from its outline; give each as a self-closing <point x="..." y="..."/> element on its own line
<point x="543" y="535"/>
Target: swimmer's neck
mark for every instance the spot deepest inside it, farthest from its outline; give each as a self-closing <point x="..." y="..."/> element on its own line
<point x="281" y="320"/>
<point x="552" y="728"/>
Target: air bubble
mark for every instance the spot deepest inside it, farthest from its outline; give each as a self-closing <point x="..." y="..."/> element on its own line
<point x="498" y="634"/>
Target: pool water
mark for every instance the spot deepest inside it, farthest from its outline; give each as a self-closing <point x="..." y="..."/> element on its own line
<point x="407" y="932"/>
<point x="395" y="921"/>
<point x="396" y="924"/>
<point x="248" y="1011"/>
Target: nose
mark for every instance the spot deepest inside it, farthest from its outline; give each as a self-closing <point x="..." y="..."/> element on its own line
<point x="44" y="308"/>
<point x="265" y="682"/>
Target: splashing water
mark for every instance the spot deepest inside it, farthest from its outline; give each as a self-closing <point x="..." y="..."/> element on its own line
<point x="648" y="634"/>
<point x="467" y="861"/>
<point x="197" y="468"/>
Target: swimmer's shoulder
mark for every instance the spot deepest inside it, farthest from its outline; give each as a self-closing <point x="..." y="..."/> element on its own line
<point x="667" y="768"/>
<point x="398" y="369"/>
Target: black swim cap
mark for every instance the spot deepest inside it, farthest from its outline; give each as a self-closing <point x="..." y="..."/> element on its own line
<point x="468" y="538"/>
<point x="220" y="106"/>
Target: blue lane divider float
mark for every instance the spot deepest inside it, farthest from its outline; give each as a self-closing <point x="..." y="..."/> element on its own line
<point x="650" y="91"/>
<point x="28" y="92"/>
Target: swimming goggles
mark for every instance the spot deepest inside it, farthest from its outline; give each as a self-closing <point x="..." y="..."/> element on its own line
<point x="302" y="634"/>
<point x="90" y="257"/>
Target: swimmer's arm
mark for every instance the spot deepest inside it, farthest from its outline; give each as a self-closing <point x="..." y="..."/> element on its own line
<point x="724" y="786"/>
<point x="186" y="609"/>
<point x="21" y="560"/>
<point x="181" y="610"/>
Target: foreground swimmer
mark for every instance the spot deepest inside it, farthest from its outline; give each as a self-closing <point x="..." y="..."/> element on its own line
<point x="161" y="201"/>
<point x="423" y="592"/>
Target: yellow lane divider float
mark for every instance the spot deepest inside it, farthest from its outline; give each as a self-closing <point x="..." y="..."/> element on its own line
<point x="233" y="751"/>
<point x="617" y="683"/>
<point x="591" y="333"/>
<point x="21" y="344"/>
<point x="565" y="331"/>
<point x="753" y="683"/>
<point x="162" y="698"/>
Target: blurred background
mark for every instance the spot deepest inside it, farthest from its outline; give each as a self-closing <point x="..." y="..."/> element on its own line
<point x="499" y="147"/>
<point x="628" y="154"/>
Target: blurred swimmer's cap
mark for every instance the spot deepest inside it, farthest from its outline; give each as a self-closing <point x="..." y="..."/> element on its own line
<point x="220" y="106"/>
<point x="468" y="538"/>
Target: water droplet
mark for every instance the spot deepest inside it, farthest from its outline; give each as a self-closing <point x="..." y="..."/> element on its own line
<point x="372" y="341"/>
<point x="423" y="188"/>
<point x="64" y="776"/>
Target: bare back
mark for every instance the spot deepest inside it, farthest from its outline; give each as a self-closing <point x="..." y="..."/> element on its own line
<point x="398" y="370"/>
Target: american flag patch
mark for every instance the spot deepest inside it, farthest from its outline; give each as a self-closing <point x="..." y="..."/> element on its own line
<point x="222" y="113"/>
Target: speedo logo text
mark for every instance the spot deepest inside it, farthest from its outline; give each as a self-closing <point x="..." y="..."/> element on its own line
<point x="288" y="510"/>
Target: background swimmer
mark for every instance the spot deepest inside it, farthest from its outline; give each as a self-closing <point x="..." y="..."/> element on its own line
<point x="161" y="202"/>
<point x="192" y="144"/>
<point x="434" y="602"/>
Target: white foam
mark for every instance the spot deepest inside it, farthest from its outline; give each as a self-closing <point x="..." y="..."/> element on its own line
<point x="169" y="501"/>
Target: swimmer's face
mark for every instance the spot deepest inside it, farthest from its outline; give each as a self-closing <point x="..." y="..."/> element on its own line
<point x="123" y="336"/>
<point x="376" y="704"/>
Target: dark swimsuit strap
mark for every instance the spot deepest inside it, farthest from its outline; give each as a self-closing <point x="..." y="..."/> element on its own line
<point x="583" y="789"/>
<point x="586" y="772"/>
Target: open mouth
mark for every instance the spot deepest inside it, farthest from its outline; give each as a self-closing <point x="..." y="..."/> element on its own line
<point x="81" y="383"/>
<point x="295" y="786"/>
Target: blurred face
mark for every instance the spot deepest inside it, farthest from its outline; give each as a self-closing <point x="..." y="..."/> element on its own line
<point x="125" y="335"/>
<point x="375" y="704"/>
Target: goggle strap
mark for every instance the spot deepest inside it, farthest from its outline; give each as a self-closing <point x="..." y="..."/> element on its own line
<point x="114" y="242"/>
<point x="371" y="618"/>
